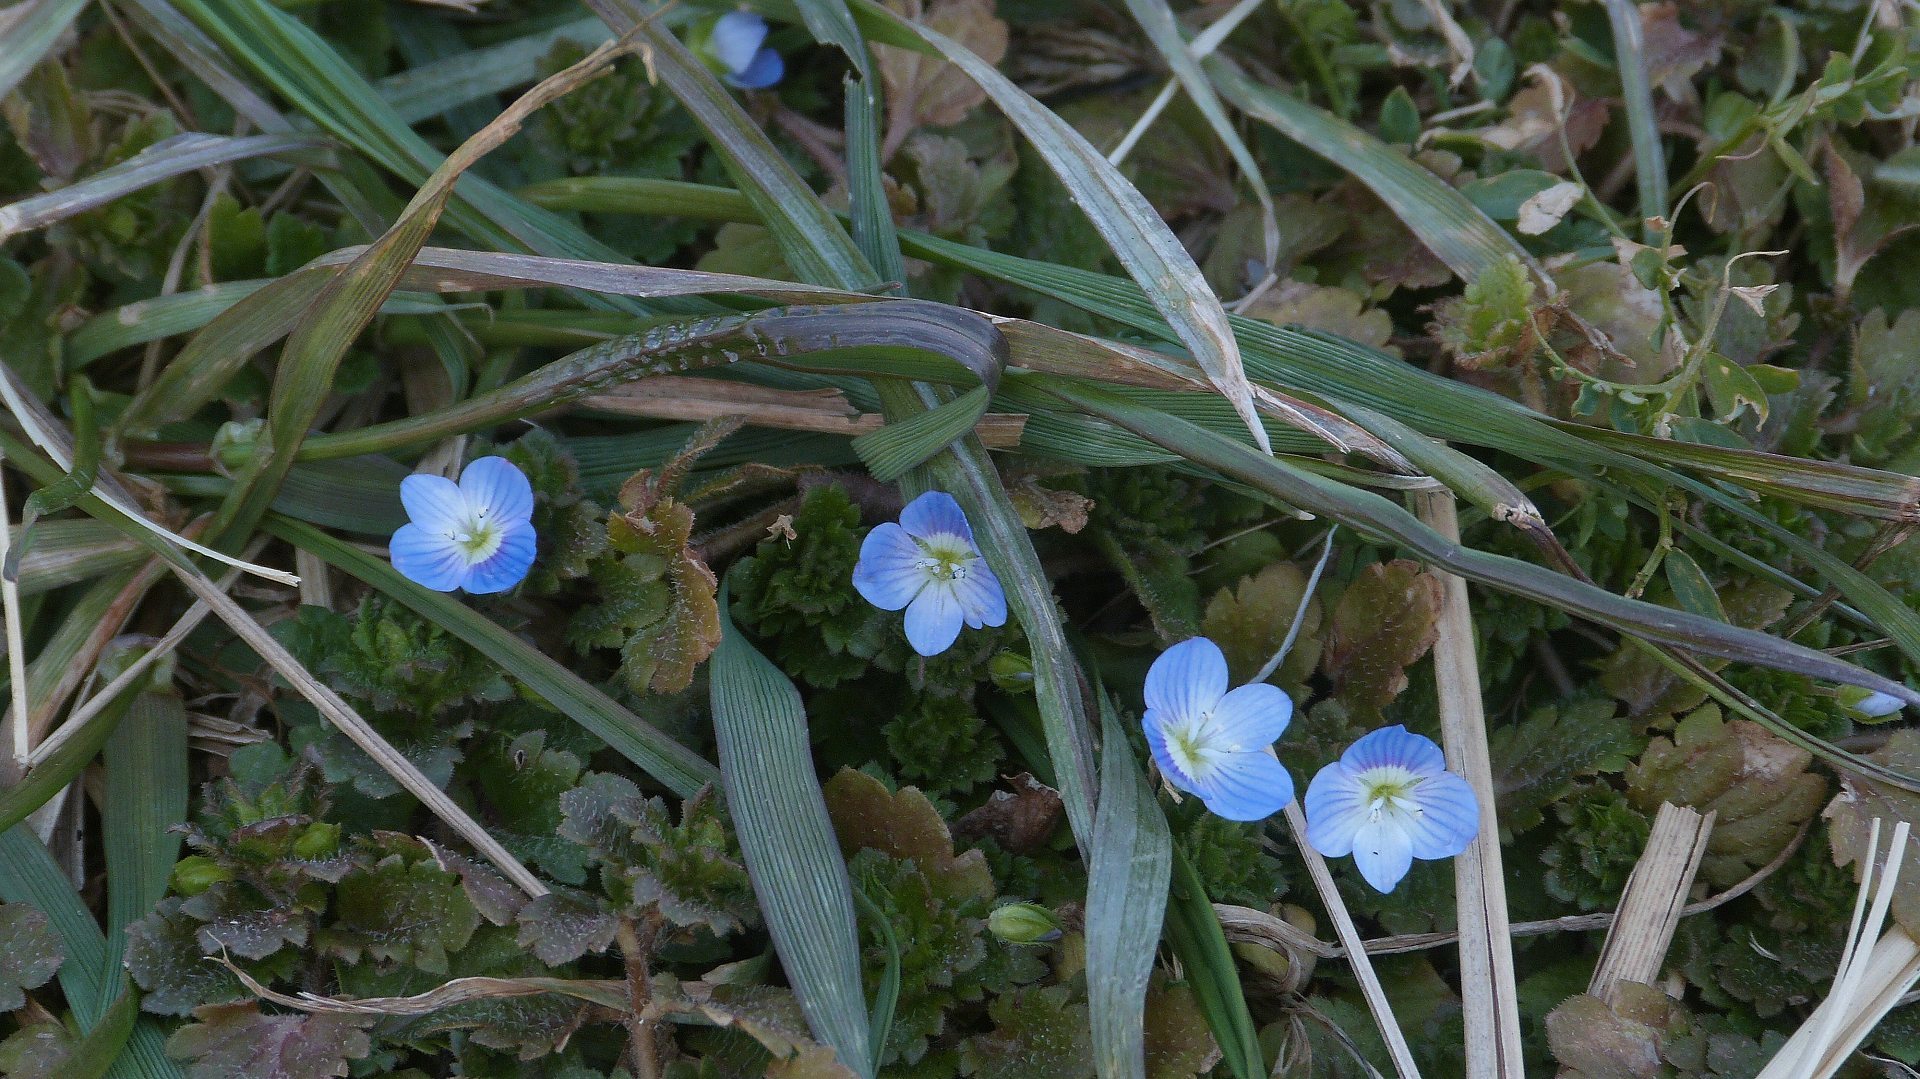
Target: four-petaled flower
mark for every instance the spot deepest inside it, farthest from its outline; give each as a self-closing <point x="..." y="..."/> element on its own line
<point x="476" y="534"/>
<point x="735" y="48"/>
<point x="928" y="564"/>
<point x="1214" y="742"/>
<point x="1388" y="800"/>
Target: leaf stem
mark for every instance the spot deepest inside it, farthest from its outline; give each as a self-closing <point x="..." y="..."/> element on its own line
<point x="636" y="941"/>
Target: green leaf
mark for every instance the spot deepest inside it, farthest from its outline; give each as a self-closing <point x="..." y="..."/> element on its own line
<point x="789" y="844"/>
<point x="674" y="765"/>
<point x="30" y="953"/>
<point x="237" y="1041"/>
<point x="1129" y="867"/>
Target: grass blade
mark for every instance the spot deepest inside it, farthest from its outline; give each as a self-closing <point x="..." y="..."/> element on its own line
<point x="146" y="797"/>
<point x="29" y="33"/>
<point x="1456" y="230"/>
<point x="810" y="238"/>
<point x="1144" y="244"/>
<point x="1128" y="872"/>
<point x="673" y="765"/>
<point x="176" y="156"/>
<point x="1194" y="933"/>
<point x="788" y="841"/>
<point x="1375" y="516"/>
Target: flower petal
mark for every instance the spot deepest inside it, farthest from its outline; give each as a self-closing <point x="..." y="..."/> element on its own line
<point x="1336" y="810"/>
<point x="1383" y="852"/>
<point x="1447" y="816"/>
<point x="505" y="567"/>
<point x="1250" y="717"/>
<point x="1187" y="680"/>
<point x="1246" y="786"/>
<point x="428" y="559"/>
<point x="766" y="69"/>
<point x="1877" y="704"/>
<point x="1154" y="724"/>
<point x="1395" y="747"/>
<point x="435" y="503"/>
<point x="736" y="37"/>
<point x="982" y="600"/>
<point x="934" y="513"/>
<point x="888" y="574"/>
<point x="933" y="620"/>
<point x="496" y="487"/>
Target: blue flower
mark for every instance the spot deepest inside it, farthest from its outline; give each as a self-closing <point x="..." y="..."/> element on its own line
<point x="1388" y="800"/>
<point x="929" y="565"/>
<point x="476" y="534"/>
<point x="735" y="48"/>
<point x="1214" y="742"/>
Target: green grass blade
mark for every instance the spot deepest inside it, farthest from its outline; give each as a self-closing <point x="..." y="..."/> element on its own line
<point x="1128" y="872"/>
<point x="162" y="161"/>
<point x="811" y="240"/>
<point x="68" y="551"/>
<point x="675" y="766"/>
<point x="898" y="448"/>
<point x="788" y="841"/>
<point x="100" y="1048"/>
<point x="1194" y="933"/>
<point x="28" y="874"/>
<point x="31" y="32"/>
<point x="1463" y="237"/>
<point x="1649" y="157"/>
<point x="146" y="797"/>
<point x="1156" y="18"/>
<point x="1148" y="249"/>
<point x="59" y="768"/>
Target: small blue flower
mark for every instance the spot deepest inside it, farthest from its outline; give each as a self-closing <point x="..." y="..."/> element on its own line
<point x="1388" y="800"/>
<point x="735" y="47"/>
<point x="476" y="534"/>
<point x="1214" y="742"/>
<point x="928" y="564"/>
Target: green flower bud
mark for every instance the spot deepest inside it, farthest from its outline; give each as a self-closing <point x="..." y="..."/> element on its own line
<point x="1023" y="923"/>
<point x="320" y="840"/>
<point x="194" y="874"/>
<point x="1012" y="672"/>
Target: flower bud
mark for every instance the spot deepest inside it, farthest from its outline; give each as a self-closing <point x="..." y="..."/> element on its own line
<point x="1023" y="923"/>
<point x="194" y="874"/>
<point x="1011" y="671"/>
<point x="320" y="840"/>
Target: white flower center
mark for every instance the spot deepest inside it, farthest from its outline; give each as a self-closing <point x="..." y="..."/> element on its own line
<point x="945" y="559"/>
<point x="1196" y="747"/>
<point x="1388" y="791"/>
<point x="476" y="537"/>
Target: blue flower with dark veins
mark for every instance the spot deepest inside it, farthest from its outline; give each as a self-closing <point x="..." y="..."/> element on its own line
<point x="929" y="566"/>
<point x="475" y="535"/>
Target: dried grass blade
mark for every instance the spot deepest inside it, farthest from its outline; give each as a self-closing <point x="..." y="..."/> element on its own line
<point x="349" y="301"/>
<point x="1490" y="999"/>
<point x="1652" y="902"/>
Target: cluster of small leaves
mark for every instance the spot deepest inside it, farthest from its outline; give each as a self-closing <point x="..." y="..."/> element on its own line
<point x="934" y="905"/>
<point x="687" y="875"/>
<point x="654" y="596"/>
<point x="943" y="744"/>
